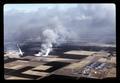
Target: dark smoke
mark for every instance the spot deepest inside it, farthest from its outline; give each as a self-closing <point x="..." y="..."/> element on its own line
<point x="85" y="22"/>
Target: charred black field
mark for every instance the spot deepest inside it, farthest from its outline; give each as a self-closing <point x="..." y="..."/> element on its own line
<point x="34" y="47"/>
<point x="56" y="63"/>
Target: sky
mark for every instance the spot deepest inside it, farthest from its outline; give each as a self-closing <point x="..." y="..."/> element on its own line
<point x="88" y="22"/>
<point x="34" y="7"/>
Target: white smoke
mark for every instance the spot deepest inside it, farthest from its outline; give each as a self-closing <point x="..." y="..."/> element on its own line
<point x="49" y="37"/>
<point x="90" y="23"/>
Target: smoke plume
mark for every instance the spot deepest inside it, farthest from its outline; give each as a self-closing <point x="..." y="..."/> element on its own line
<point x="49" y="37"/>
<point x="59" y="24"/>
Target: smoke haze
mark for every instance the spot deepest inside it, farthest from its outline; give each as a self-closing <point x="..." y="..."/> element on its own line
<point x="61" y="23"/>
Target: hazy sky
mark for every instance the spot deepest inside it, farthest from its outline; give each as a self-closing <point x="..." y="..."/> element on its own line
<point x="34" y="7"/>
<point x="78" y="21"/>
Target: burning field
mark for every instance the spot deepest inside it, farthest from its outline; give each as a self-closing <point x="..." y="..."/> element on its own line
<point x="53" y="43"/>
<point x="62" y="63"/>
